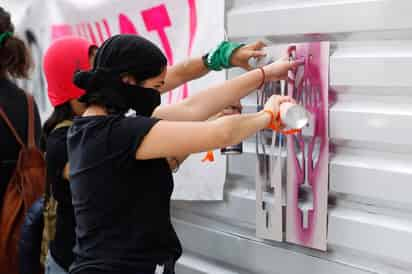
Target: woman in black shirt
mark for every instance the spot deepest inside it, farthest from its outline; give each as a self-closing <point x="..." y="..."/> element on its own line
<point x="62" y="59"/>
<point x="120" y="178"/>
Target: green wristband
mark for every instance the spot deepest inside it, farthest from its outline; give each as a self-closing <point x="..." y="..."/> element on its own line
<point x="213" y="59"/>
<point x="227" y="50"/>
<point x="4" y="36"/>
<point x="219" y="57"/>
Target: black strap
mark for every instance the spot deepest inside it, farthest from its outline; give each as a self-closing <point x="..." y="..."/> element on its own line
<point x="30" y="119"/>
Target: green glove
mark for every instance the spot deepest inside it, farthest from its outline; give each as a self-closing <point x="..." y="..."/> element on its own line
<point x="219" y="58"/>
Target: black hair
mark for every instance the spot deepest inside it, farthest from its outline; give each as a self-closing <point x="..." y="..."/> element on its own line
<point x="101" y="100"/>
<point x="60" y="113"/>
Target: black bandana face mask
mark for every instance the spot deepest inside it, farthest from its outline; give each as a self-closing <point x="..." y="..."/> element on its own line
<point x="142" y="100"/>
<point x="120" y="96"/>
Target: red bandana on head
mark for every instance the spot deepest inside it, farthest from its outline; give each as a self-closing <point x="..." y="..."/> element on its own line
<point x="62" y="59"/>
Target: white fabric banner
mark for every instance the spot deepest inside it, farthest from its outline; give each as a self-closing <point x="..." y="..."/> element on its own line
<point x="181" y="28"/>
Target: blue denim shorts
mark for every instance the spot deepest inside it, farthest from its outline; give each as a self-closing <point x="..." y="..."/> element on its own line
<point x="52" y="267"/>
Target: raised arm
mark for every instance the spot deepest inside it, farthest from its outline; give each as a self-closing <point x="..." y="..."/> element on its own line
<point x="183" y="72"/>
<point x="194" y="68"/>
<point x="212" y="100"/>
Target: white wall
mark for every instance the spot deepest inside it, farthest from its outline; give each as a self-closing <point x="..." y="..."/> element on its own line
<point x="16" y="8"/>
<point x="370" y="222"/>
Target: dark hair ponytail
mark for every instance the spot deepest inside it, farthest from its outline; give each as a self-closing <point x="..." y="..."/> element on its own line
<point x="60" y="113"/>
<point x="15" y="57"/>
<point x="97" y="80"/>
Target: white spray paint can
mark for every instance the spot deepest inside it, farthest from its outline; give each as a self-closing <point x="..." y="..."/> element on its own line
<point x="293" y="116"/>
<point x="256" y="62"/>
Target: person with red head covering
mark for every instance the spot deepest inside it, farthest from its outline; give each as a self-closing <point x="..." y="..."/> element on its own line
<point x="62" y="59"/>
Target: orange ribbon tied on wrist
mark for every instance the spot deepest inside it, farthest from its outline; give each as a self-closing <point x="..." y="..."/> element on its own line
<point x="276" y="123"/>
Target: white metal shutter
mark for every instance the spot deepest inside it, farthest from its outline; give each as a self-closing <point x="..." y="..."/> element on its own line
<point x="370" y="223"/>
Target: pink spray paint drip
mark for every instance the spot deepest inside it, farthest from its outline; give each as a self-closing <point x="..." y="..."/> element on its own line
<point x="99" y="32"/>
<point x="91" y="34"/>
<point x="157" y="19"/>
<point x="79" y="30"/>
<point x="305" y="234"/>
<point x="107" y="28"/>
<point x="192" y="33"/>
<point x="314" y="101"/>
<point x="61" y="30"/>
<point x="126" y="26"/>
<point x="84" y="31"/>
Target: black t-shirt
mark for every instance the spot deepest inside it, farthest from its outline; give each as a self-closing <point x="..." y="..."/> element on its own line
<point x="14" y="103"/>
<point x="122" y="205"/>
<point x="61" y="248"/>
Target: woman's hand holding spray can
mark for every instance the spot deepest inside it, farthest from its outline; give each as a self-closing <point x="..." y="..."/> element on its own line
<point x="290" y="119"/>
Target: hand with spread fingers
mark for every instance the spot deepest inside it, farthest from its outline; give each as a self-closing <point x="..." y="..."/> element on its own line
<point x="241" y="56"/>
<point x="279" y="69"/>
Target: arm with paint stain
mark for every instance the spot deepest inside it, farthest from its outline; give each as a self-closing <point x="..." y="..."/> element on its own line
<point x="194" y="68"/>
